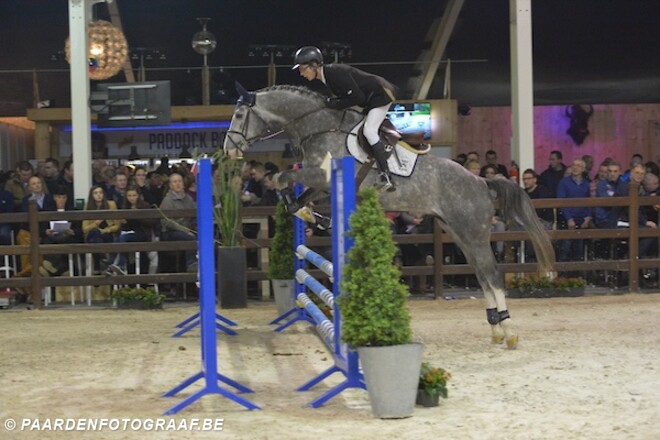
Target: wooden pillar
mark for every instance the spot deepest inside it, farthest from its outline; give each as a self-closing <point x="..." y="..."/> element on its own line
<point x="41" y="140"/>
<point x="33" y="209"/>
<point x="633" y="246"/>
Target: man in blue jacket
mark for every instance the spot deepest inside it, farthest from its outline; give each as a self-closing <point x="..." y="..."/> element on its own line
<point x="574" y="186"/>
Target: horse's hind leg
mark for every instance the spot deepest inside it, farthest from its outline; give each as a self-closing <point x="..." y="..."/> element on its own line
<point x="480" y="255"/>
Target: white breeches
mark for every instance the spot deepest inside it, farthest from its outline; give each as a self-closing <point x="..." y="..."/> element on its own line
<point x="375" y="117"/>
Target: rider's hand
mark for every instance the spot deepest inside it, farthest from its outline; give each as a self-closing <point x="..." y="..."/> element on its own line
<point x="334" y="103"/>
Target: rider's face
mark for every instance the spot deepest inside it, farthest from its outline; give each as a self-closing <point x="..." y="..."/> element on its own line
<point x="307" y="71"/>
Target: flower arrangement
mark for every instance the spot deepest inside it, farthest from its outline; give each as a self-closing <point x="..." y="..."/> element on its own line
<point x="434" y="380"/>
<point x="534" y="283"/>
<point x="148" y="296"/>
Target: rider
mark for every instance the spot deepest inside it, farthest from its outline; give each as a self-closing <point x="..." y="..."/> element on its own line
<point x="351" y="87"/>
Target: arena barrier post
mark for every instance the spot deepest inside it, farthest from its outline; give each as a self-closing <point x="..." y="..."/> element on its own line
<point x="345" y="359"/>
<point x="207" y="314"/>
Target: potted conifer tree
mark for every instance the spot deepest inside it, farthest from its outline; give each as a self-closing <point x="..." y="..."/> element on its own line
<point x="281" y="260"/>
<point x="375" y="318"/>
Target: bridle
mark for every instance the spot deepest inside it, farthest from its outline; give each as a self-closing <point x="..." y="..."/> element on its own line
<point x="269" y="133"/>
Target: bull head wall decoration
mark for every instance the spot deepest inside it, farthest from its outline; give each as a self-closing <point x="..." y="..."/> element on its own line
<point x="579" y="127"/>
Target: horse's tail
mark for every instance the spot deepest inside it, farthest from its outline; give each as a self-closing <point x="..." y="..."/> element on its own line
<point x="516" y="207"/>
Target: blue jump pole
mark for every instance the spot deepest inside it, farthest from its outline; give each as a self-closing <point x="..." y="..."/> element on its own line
<point x="207" y="315"/>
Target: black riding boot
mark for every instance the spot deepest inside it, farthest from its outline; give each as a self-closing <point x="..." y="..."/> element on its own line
<point x="378" y="151"/>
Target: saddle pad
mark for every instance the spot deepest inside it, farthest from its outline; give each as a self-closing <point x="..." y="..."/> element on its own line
<point x="401" y="162"/>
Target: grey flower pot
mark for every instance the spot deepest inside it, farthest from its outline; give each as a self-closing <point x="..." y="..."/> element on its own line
<point x="392" y="377"/>
<point x="283" y="292"/>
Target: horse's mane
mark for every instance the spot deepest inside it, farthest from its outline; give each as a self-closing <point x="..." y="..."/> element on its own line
<point x="302" y="90"/>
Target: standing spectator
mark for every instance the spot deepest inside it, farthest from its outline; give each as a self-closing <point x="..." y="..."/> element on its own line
<point x="491" y="159"/>
<point x="108" y="174"/>
<point x="473" y="155"/>
<point x="551" y="177"/>
<point x="536" y="191"/>
<point x="652" y="167"/>
<point x="156" y="189"/>
<point x="574" y="186"/>
<point x="100" y="231"/>
<point x="66" y="180"/>
<point x="182" y="228"/>
<point x="50" y="173"/>
<point x="588" y="160"/>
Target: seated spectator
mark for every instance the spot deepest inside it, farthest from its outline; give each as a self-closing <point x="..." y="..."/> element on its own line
<point x="473" y="167"/>
<point x="50" y="172"/>
<point x="613" y="186"/>
<point x="100" y="231"/>
<point x="155" y="189"/>
<point x="119" y="188"/>
<point x="182" y="228"/>
<point x="536" y="191"/>
<point x="60" y="232"/>
<point x="555" y="172"/>
<point x="574" y="186"/>
<point x="132" y="230"/>
<point x="270" y="196"/>
<point x="45" y="202"/>
<point x="18" y="184"/>
<point x="491" y="159"/>
<point x="254" y="190"/>
<point x="66" y="179"/>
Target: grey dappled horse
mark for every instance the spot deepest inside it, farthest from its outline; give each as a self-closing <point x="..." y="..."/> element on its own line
<point x="464" y="203"/>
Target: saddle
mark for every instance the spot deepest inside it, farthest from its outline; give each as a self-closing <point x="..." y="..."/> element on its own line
<point x="390" y="136"/>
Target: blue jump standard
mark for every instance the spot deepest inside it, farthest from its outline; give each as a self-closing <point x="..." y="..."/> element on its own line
<point x="207" y="315"/>
<point x="193" y="321"/>
<point x="345" y="359"/>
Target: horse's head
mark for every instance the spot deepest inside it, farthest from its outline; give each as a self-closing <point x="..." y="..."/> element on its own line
<point x="246" y="125"/>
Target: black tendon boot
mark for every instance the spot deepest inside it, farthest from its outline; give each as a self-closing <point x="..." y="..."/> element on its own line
<point x="378" y="151"/>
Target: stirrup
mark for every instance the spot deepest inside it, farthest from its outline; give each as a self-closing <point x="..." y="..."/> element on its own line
<point x="386" y="183"/>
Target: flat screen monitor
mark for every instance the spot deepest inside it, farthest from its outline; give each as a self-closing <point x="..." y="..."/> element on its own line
<point x="132" y="104"/>
<point x="414" y="117"/>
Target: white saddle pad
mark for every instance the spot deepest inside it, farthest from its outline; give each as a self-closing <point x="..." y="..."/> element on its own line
<point x="401" y="162"/>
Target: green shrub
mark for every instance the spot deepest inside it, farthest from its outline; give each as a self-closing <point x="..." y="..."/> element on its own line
<point x="533" y="283"/>
<point x="373" y="300"/>
<point x="139" y="294"/>
<point x="280" y="254"/>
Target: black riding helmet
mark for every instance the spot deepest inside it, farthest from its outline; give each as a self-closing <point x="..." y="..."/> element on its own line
<point x="306" y="55"/>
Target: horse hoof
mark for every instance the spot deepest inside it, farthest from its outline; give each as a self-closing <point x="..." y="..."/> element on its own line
<point x="497" y="339"/>
<point x="512" y="342"/>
